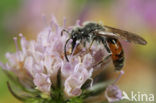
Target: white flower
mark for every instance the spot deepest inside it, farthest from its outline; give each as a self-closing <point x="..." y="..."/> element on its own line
<point x="113" y="93"/>
<point x="42" y="82"/>
<point x="74" y="82"/>
<point x="41" y="59"/>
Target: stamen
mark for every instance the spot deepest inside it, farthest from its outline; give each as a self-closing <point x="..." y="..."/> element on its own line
<point x="51" y="25"/>
<point x="56" y="28"/>
<point x="64" y="22"/>
<point x="49" y="35"/>
<point x="117" y="79"/>
<point x="77" y="22"/>
<point x="23" y="42"/>
<point x="54" y="22"/>
<point x="44" y="19"/>
<point x="16" y="44"/>
<point x="55" y="25"/>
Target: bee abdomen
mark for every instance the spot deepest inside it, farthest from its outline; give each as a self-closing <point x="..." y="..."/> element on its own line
<point x="117" y="53"/>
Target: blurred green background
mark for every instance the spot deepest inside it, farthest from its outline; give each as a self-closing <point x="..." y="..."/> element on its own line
<point x="138" y="16"/>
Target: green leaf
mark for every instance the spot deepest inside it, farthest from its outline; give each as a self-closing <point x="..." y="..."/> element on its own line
<point x="95" y="90"/>
<point x="75" y="100"/>
<point x="14" y="94"/>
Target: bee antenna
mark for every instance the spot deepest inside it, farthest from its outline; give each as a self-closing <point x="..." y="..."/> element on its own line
<point x="64" y="30"/>
<point x="65" y="52"/>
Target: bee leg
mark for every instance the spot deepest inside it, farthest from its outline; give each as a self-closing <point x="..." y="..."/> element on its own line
<point x="106" y="46"/>
<point x="65" y="52"/>
<point x="103" y="60"/>
<point x="104" y="41"/>
<point x="64" y="30"/>
<point x="90" y="45"/>
<point x="108" y="51"/>
<point x="88" y="49"/>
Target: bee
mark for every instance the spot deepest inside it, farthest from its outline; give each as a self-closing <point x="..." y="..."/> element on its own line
<point x="108" y="36"/>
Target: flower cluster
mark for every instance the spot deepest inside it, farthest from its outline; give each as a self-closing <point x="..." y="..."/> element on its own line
<point x="39" y="62"/>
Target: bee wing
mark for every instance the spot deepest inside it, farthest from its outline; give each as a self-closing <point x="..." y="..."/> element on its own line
<point x="107" y="34"/>
<point x="128" y="36"/>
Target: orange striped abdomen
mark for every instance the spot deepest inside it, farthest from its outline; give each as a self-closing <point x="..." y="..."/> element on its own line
<point x="117" y="53"/>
